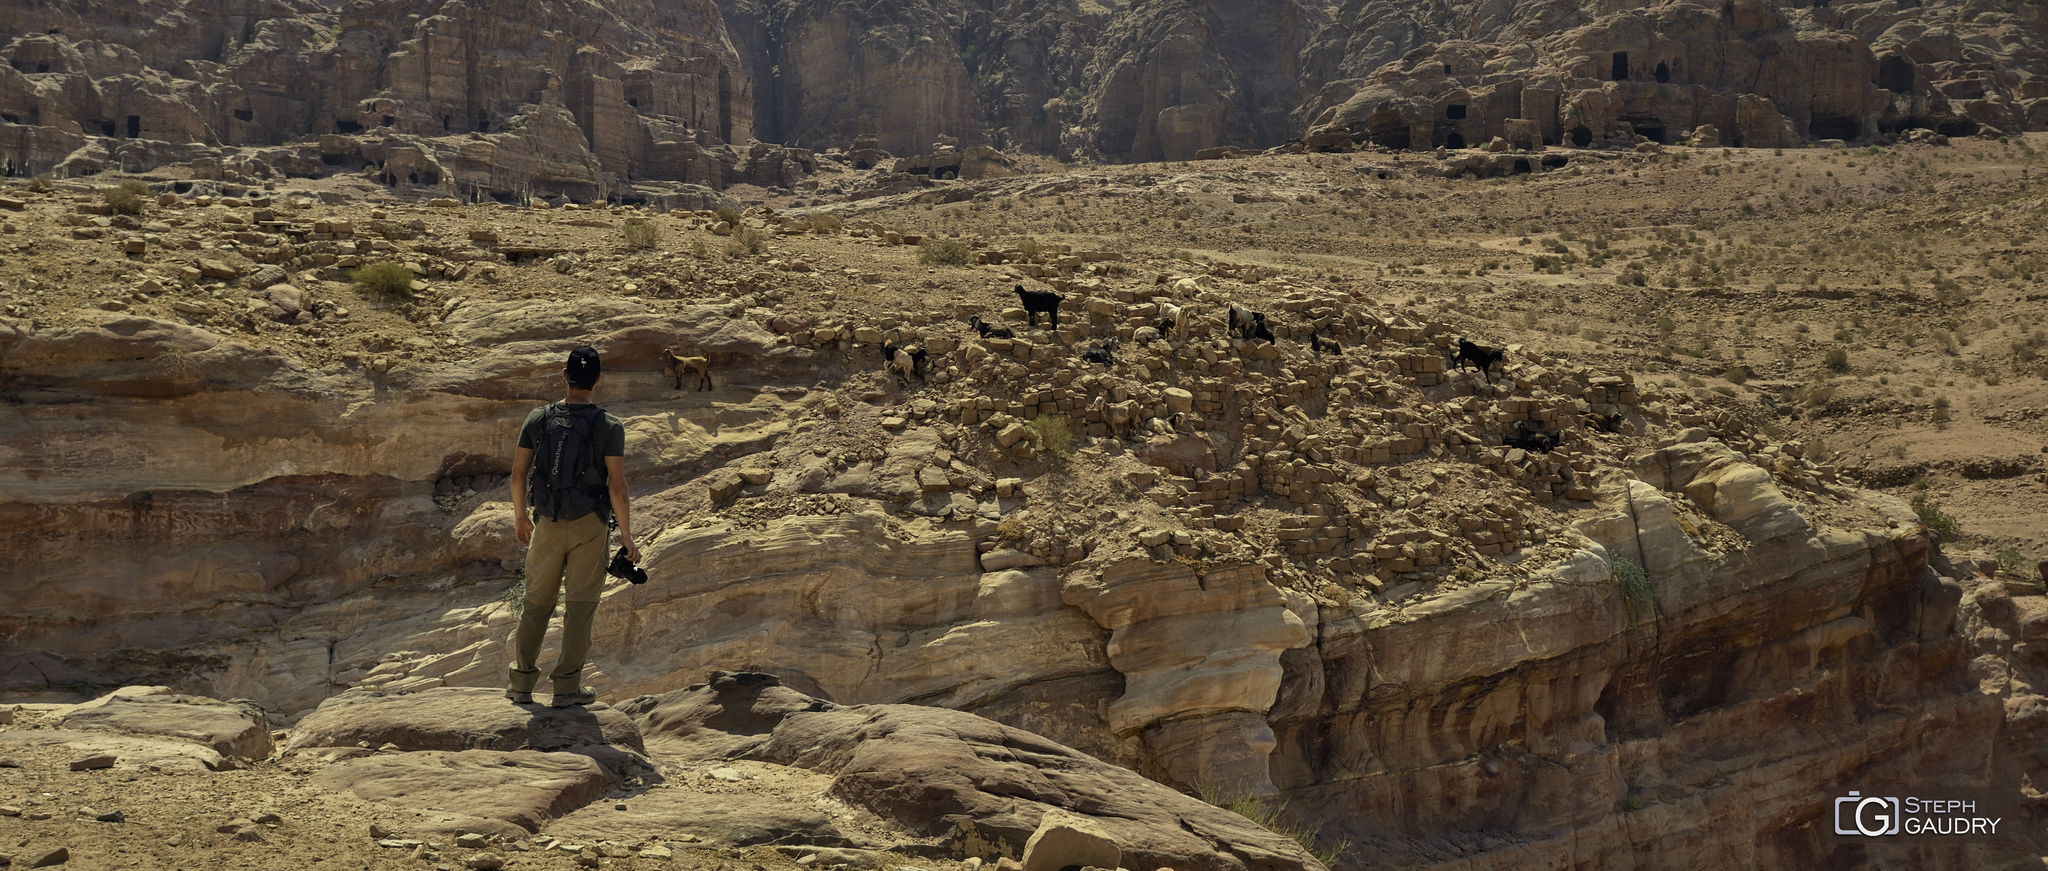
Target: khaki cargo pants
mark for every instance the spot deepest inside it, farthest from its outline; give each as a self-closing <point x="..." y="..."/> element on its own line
<point x="565" y="559"/>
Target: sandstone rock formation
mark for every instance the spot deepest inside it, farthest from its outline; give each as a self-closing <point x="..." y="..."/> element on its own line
<point x="1313" y="576"/>
<point x="586" y="99"/>
<point x="949" y="773"/>
<point x="576" y="99"/>
<point x="1763" y="74"/>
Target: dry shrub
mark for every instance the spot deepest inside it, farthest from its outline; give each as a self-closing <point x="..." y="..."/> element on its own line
<point x="944" y="252"/>
<point x="130" y="197"/>
<point x="640" y="234"/>
<point x="746" y="242"/>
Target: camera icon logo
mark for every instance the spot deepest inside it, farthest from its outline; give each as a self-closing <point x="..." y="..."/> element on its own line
<point x="1867" y="815"/>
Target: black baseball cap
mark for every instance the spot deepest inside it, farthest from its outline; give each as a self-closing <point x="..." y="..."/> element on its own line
<point x="583" y="366"/>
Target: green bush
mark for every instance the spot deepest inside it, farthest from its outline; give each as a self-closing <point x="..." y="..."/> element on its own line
<point x="1636" y="592"/>
<point x="1941" y="522"/>
<point x="1737" y="374"/>
<point x="641" y="234"/>
<point x="1838" y="359"/>
<point x="826" y="222"/>
<point x="386" y="280"/>
<point x="1272" y="816"/>
<point x="1051" y="433"/>
<point x="727" y="214"/>
<point x="746" y="242"/>
<point x="2014" y="565"/>
<point x="944" y="252"/>
<point x="130" y="197"/>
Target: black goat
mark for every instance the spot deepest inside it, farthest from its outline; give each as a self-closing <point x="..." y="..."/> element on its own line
<point x="1103" y="354"/>
<point x="1524" y="438"/>
<point x="989" y="331"/>
<point x="1036" y="301"/>
<point x="1479" y="355"/>
<point x="1260" y="330"/>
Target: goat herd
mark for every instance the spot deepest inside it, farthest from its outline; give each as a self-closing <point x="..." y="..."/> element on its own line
<point x="907" y="362"/>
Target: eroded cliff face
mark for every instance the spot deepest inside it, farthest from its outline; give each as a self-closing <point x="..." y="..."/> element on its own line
<point x="1759" y="74"/>
<point x="194" y="511"/>
<point x="591" y="99"/>
<point x="482" y="98"/>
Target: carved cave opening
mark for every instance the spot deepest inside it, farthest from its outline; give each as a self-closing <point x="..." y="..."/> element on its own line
<point x="244" y="115"/>
<point x="1620" y="71"/>
<point x="1455" y="111"/>
<point x="1553" y="161"/>
<point x="1828" y="125"/>
<point x="483" y="123"/>
<point x="1962" y="127"/>
<point x="42" y="68"/>
<point x="1581" y="136"/>
<point x="10" y="117"/>
<point x="1454" y="139"/>
<point x="134" y="126"/>
<point x="346" y="127"/>
<point x="1521" y="167"/>
<point x="1663" y="72"/>
<point x="1895" y="74"/>
<point x="1647" y="126"/>
<point x="388" y="121"/>
<point x="107" y="128"/>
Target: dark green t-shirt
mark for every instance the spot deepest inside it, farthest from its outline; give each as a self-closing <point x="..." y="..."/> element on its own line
<point x="613" y="440"/>
<point x="614" y="430"/>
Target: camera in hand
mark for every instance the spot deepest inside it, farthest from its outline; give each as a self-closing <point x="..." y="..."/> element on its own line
<point x="624" y="569"/>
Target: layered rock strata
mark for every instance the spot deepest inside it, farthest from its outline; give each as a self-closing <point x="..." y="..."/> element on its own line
<point x="1761" y="74"/>
<point x="1319" y="576"/>
<point x="576" y="98"/>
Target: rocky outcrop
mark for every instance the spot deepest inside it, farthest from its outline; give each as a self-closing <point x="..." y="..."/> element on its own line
<point x="941" y="772"/>
<point x="1763" y="74"/>
<point x="585" y="99"/>
<point x="571" y="98"/>
<point x="1172" y="79"/>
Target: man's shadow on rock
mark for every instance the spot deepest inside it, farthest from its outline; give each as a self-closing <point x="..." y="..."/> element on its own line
<point x="586" y="731"/>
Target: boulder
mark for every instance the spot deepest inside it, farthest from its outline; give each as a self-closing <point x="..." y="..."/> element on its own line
<point x="458" y="718"/>
<point x="487" y="792"/>
<point x="229" y="729"/>
<point x="724" y="818"/>
<point x="1068" y="840"/>
<point x="944" y="772"/>
<point x="129" y="753"/>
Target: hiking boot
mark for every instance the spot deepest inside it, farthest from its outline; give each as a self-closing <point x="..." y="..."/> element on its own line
<point x="577" y="699"/>
<point x="519" y="697"/>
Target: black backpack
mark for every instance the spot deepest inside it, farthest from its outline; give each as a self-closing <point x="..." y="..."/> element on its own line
<point x="568" y="478"/>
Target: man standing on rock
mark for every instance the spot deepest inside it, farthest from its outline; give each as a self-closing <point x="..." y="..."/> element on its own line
<point x="571" y="461"/>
